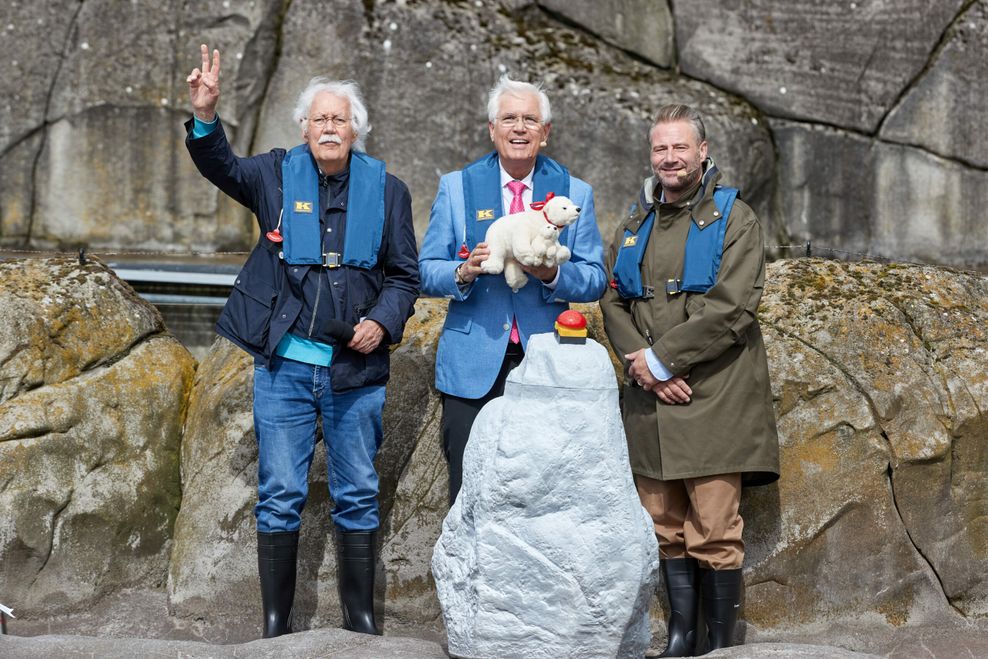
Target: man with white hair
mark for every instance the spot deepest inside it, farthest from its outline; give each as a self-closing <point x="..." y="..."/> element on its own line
<point x="328" y="287"/>
<point x="488" y="325"/>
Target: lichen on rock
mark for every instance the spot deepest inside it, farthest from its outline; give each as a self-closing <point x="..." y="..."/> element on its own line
<point x="92" y="401"/>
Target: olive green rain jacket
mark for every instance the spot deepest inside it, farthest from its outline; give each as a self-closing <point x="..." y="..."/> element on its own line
<point x="713" y="337"/>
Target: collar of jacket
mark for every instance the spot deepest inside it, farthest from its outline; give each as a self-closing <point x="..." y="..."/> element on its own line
<point x="336" y="186"/>
<point x="701" y="204"/>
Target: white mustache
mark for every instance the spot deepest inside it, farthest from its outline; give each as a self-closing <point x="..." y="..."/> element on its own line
<point x="330" y="139"/>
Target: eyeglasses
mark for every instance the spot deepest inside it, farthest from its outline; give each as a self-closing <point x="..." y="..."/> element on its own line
<point x="530" y="122"/>
<point x="337" y="120"/>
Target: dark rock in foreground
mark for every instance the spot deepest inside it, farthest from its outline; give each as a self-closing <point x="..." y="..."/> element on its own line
<point x="318" y="643"/>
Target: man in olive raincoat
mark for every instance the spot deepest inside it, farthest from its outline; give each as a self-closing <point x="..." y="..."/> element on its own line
<point x="688" y="267"/>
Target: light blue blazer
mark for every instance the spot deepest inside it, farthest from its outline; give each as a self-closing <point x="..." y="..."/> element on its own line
<point x="478" y="321"/>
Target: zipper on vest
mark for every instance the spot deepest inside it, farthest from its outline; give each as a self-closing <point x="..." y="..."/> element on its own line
<point x="315" y="306"/>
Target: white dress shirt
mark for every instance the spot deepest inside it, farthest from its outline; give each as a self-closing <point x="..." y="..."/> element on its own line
<point x="507" y="195"/>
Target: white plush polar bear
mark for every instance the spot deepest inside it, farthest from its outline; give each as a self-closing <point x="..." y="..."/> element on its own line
<point x="529" y="238"/>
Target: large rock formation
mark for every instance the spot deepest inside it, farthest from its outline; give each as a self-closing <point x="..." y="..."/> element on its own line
<point x="82" y="141"/>
<point x="879" y="373"/>
<point x="642" y="27"/>
<point x="940" y="112"/>
<point x="879" y="198"/>
<point x="547" y="551"/>
<point x="92" y="400"/>
<point x="213" y="564"/>
<point x="843" y="64"/>
<point x="876" y="529"/>
<point x="91" y="152"/>
<point x="872" y="107"/>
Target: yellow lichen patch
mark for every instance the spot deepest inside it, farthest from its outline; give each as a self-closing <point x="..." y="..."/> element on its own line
<point x="819" y="455"/>
<point x="15" y="458"/>
<point x="71" y="317"/>
<point x="400" y="589"/>
<point x="423" y="328"/>
<point x="968" y="486"/>
<point x="772" y="605"/>
<point x="896" y="609"/>
<point x="792" y="394"/>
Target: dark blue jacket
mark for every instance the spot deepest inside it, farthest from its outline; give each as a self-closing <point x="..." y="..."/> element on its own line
<point x="265" y="301"/>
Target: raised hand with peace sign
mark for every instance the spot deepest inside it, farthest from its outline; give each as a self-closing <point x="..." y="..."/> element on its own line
<point x="204" y="86"/>
<point x="285" y="185"/>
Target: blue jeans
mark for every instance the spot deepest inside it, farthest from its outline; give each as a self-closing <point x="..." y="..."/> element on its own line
<point x="288" y="397"/>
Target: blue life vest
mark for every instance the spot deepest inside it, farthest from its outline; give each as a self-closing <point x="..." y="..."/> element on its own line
<point x="300" y="209"/>
<point x="704" y="248"/>
<point x="482" y="192"/>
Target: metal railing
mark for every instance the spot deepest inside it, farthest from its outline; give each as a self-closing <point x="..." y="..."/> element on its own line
<point x="4" y="612"/>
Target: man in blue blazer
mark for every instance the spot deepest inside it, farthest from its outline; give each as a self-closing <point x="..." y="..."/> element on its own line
<point x="487" y="326"/>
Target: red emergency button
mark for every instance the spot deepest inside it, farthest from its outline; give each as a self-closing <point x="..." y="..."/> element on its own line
<point x="571" y="327"/>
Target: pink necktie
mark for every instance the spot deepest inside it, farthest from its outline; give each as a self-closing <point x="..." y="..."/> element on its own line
<point x="517" y="206"/>
<point x="517" y="203"/>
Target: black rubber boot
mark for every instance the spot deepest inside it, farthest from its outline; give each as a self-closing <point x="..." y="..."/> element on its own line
<point x="355" y="558"/>
<point x="276" y="557"/>
<point x="682" y="579"/>
<point x="721" y="591"/>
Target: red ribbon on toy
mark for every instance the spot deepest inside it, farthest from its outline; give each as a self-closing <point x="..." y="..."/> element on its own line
<point x="464" y="253"/>
<point x="540" y="205"/>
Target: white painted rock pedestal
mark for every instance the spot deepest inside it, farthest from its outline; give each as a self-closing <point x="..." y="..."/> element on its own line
<point x="547" y="551"/>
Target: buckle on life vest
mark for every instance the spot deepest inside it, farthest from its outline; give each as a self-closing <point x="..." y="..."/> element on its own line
<point x="673" y="287"/>
<point x="648" y="292"/>
<point x="333" y="260"/>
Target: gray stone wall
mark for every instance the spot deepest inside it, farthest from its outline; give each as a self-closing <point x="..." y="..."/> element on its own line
<point x="854" y="125"/>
